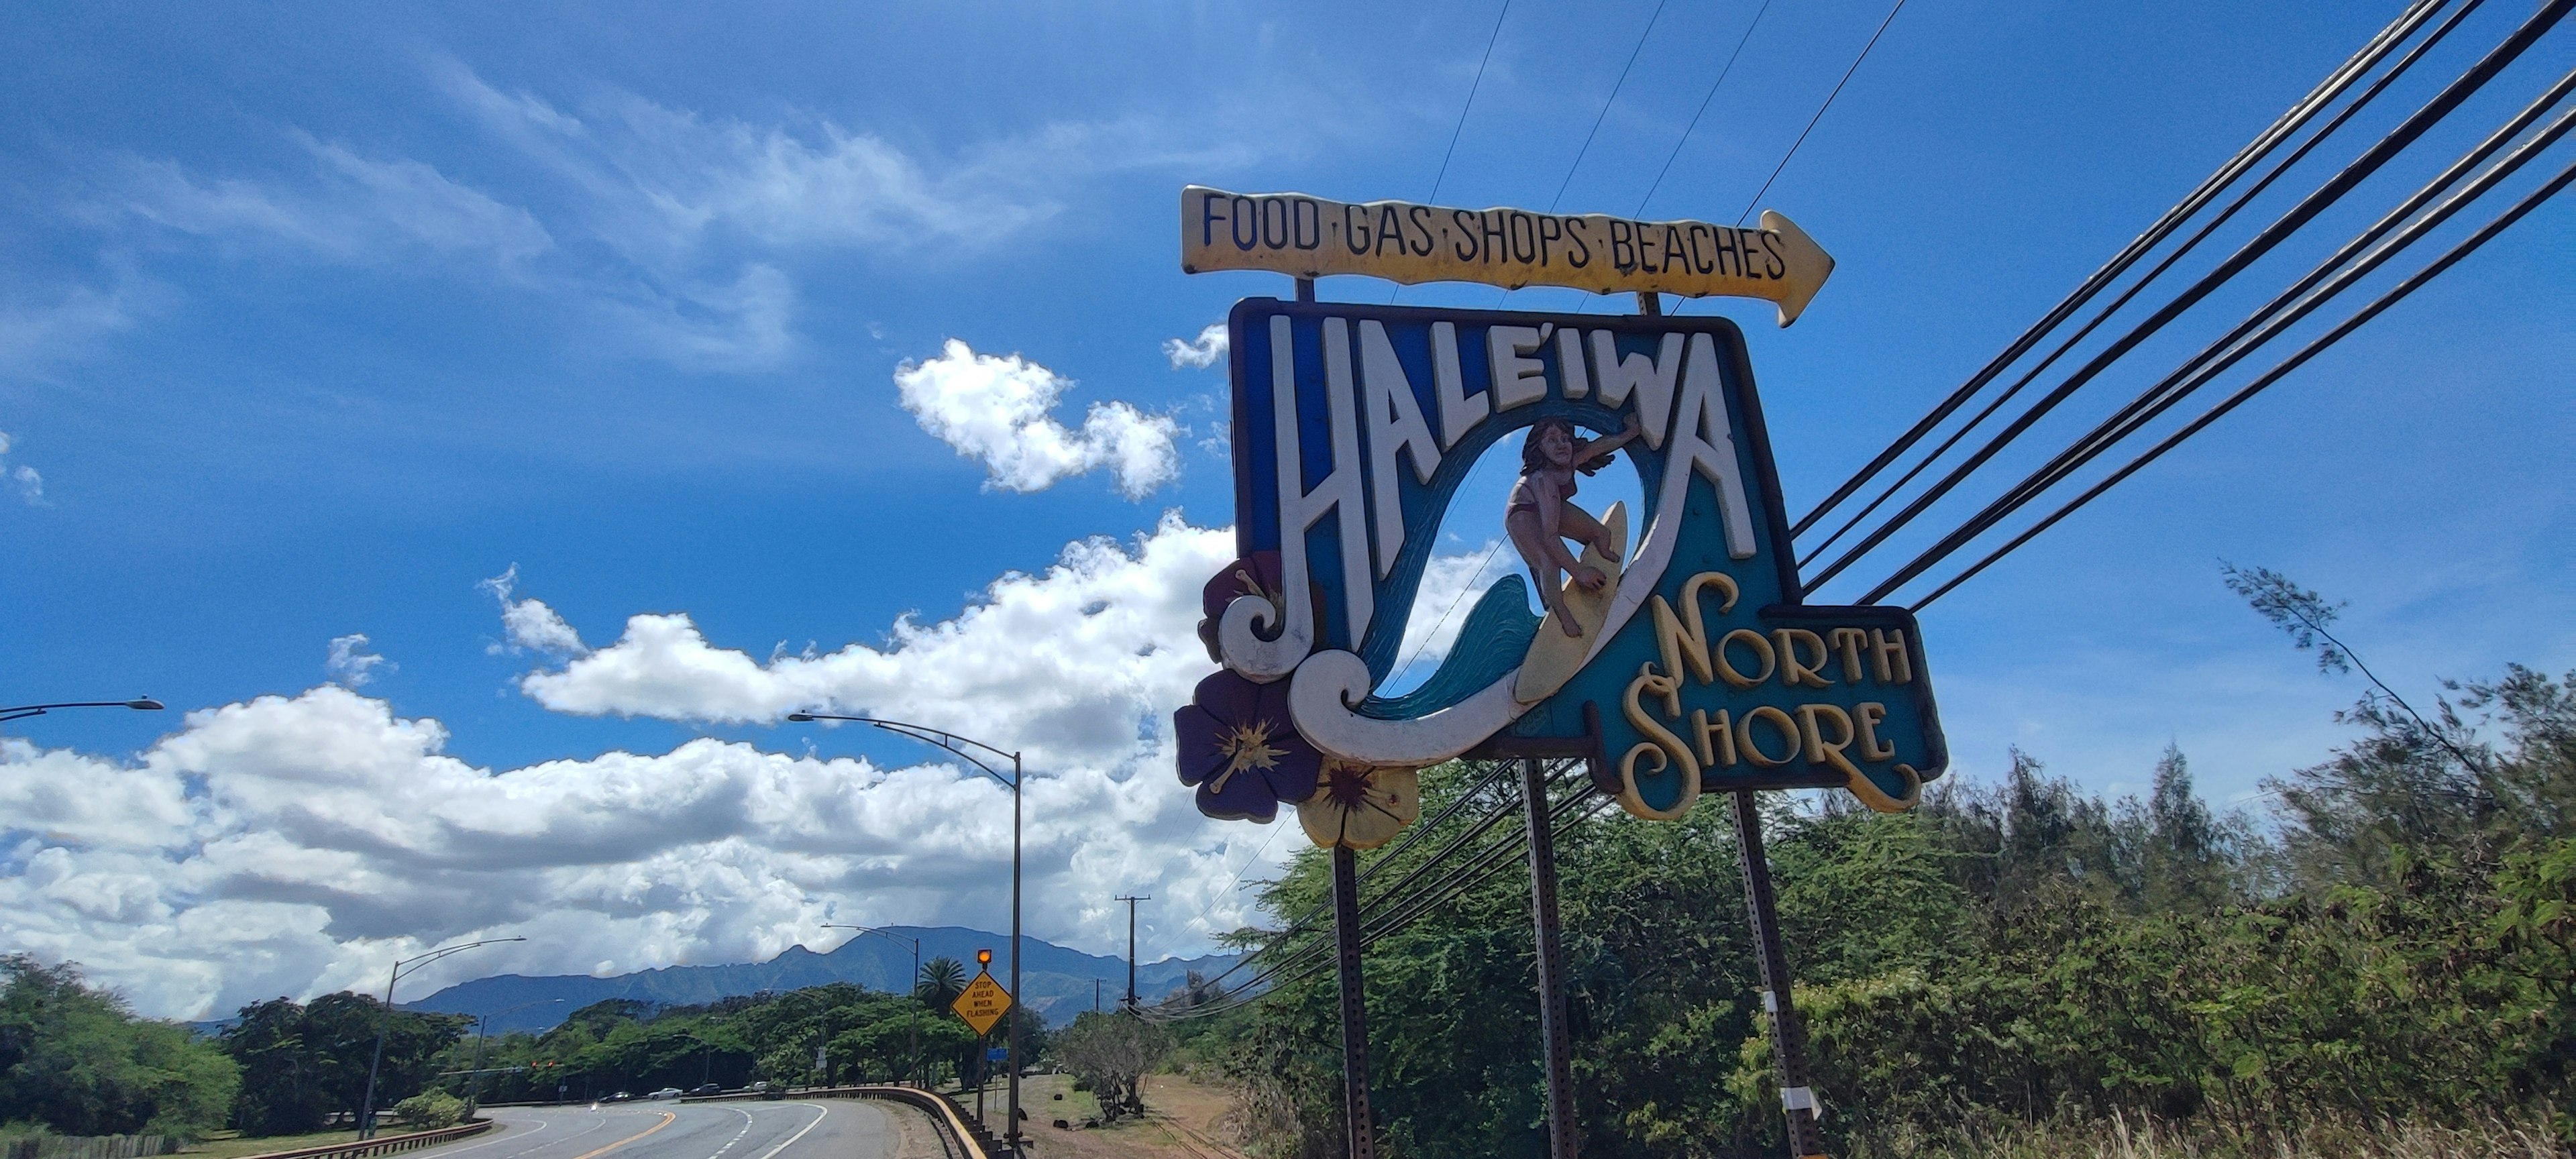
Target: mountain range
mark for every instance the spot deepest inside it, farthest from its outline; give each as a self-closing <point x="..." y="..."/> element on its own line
<point x="1055" y="982"/>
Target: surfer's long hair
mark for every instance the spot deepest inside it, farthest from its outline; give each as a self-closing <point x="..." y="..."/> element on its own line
<point x="1533" y="458"/>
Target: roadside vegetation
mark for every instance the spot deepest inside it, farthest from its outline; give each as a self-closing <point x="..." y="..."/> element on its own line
<point x="864" y="1036"/>
<point x="74" y="1060"/>
<point x="2379" y="961"/>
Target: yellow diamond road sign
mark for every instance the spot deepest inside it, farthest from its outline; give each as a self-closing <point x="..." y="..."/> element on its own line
<point x="983" y="1003"/>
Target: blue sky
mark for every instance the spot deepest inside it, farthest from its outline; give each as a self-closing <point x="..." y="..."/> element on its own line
<point x="312" y="320"/>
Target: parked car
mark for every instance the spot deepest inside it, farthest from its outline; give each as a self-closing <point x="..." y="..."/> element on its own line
<point x="707" y="1089"/>
<point x="665" y="1093"/>
<point x="619" y="1097"/>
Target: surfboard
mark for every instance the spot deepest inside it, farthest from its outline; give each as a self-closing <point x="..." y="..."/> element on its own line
<point x="1554" y="656"/>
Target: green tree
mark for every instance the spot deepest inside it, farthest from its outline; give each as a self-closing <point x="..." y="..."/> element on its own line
<point x="941" y="981"/>
<point x="1110" y="1053"/>
<point x="78" y="1061"/>
<point x="302" y="1063"/>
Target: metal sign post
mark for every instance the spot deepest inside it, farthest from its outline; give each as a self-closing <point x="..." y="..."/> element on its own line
<point x="1360" y="1125"/>
<point x="1559" y="1050"/>
<point x="1788" y="1038"/>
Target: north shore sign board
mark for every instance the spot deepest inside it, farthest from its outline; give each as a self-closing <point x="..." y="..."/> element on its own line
<point x="1679" y="659"/>
<point x="1308" y="237"/>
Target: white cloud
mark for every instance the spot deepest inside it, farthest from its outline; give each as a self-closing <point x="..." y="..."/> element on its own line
<point x="1198" y="353"/>
<point x="662" y="180"/>
<point x="293" y="845"/>
<point x="30" y="484"/>
<point x="1078" y="664"/>
<point x="350" y="664"/>
<point x="37" y="335"/>
<point x="1451" y="585"/>
<point x="998" y="409"/>
<point x="348" y="208"/>
<point x="528" y="624"/>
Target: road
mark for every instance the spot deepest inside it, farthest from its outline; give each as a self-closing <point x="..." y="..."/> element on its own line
<point x="822" y="1129"/>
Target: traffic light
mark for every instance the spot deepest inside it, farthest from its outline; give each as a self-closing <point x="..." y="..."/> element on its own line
<point x="984" y="957"/>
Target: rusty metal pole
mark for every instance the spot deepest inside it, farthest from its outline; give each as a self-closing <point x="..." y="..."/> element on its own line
<point x="1558" y="1050"/>
<point x="1362" y="1126"/>
<point x="1788" y="1037"/>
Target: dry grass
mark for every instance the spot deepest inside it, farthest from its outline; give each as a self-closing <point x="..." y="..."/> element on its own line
<point x="235" y="1146"/>
<point x="2127" y="1138"/>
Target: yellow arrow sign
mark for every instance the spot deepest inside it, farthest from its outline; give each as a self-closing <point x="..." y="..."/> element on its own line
<point x="1308" y="237"/>
<point x="982" y="1003"/>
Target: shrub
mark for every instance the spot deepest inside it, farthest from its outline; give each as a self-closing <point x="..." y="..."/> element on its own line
<point x="430" y="1110"/>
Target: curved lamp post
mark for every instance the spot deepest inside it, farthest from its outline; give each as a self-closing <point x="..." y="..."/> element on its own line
<point x="23" y="711"/>
<point x="474" y="1076"/>
<point x="915" y="943"/>
<point x="958" y="746"/>
<point x="367" y="1105"/>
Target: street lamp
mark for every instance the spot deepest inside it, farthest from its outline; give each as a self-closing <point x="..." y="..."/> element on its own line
<point x="952" y="742"/>
<point x="23" y="711"/>
<point x="367" y="1105"/>
<point x="916" y="977"/>
<point x="474" y="1076"/>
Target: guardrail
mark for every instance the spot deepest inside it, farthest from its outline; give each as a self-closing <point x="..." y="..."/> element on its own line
<point x="384" y="1144"/>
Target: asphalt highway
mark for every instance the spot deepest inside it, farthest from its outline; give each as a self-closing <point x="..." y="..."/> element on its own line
<point x="822" y="1129"/>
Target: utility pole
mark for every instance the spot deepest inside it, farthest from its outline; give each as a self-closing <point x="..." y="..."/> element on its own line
<point x="1131" y="946"/>
<point x="1095" y="994"/>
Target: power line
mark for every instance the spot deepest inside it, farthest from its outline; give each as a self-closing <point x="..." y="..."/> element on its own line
<point x="1275" y="829"/>
<point x="1393" y="909"/>
<point x="1704" y="102"/>
<point x="1820" y="112"/>
<point x="2325" y="195"/>
<point x="1613" y="99"/>
<point x="1396" y="895"/>
<point x="2274" y="319"/>
<point x="2287" y="123"/>
<point x="1633" y="53"/>
<point x="1454" y="601"/>
<point x="1461" y="127"/>
<point x="2225" y="213"/>
<point x="1472" y="86"/>
<point x="2249" y="390"/>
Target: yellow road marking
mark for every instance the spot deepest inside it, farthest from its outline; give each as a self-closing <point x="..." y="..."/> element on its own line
<point x="666" y="1121"/>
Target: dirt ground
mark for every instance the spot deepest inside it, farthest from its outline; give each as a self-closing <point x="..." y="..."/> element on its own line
<point x="1178" y="1125"/>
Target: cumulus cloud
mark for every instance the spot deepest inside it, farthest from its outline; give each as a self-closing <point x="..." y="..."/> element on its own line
<point x="1198" y="353"/>
<point x="1075" y="664"/>
<point x="528" y="625"/>
<point x="350" y="664"/>
<point x="1000" y="409"/>
<point x="293" y="845"/>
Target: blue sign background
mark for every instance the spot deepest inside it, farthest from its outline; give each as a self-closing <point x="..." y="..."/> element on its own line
<point x="1874" y="665"/>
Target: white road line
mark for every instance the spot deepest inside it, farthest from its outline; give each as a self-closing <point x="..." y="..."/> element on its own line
<point x="819" y="1114"/>
<point x="737" y="1136"/>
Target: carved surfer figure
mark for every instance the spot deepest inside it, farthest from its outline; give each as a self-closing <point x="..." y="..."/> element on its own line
<point x="1541" y="515"/>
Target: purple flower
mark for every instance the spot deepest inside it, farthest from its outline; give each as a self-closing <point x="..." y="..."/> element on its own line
<point x="1239" y="747"/>
<point x="1256" y="574"/>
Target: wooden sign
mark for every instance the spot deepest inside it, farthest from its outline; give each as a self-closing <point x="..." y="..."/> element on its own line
<point x="982" y="1003"/>
<point x="1309" y="237"/>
